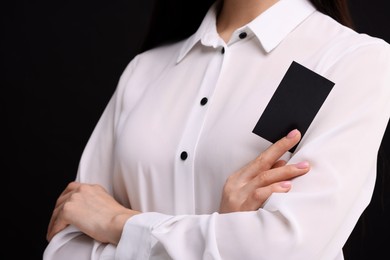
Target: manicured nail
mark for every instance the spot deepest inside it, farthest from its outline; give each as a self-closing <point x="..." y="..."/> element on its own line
<point x="285" y="184"/>
<point x="292" y="134"/>
<point x="302" y="165"/>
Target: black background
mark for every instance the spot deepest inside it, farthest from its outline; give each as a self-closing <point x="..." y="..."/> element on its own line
<point x="60" y="63"/>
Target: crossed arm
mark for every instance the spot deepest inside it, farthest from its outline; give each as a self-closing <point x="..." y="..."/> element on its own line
<point x="95" y="212"/>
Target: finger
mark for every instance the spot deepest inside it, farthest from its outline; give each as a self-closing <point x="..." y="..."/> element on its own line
<point x="279" y="163"/>
<point x="261" y="195"/>
<point x="70" y="188"/>
<point x="64" y="196"/>
<point x="56" y="227"/>
<point x="54" y="221"/>
<point x="268" y="158"/>
<point x="284" y="173"/>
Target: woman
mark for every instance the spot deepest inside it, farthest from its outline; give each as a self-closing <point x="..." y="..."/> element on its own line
<point x="173" y="171"/>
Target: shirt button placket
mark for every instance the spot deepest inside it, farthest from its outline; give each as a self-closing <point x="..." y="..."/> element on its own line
<point x="184" y="154"/>
<point x="184" y="166"/>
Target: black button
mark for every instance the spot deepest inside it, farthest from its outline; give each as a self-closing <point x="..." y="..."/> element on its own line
<point x="223" y="50"/>
<point x="204" y="101"/>
<point x="183" y="155"/>
<point x="242" y="35"/>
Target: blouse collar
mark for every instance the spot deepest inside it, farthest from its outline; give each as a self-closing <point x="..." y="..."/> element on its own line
<point x="270" y="27"/>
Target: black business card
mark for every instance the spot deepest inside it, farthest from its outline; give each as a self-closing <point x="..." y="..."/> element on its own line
<point x="294" y="104"/>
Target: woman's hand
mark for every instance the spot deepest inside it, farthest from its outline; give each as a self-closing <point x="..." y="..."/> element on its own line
<point x="92" y="210"/>
<point x="248" y="188"/>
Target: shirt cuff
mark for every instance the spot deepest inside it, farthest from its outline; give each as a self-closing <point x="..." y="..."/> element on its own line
<point x="137" y="241"/>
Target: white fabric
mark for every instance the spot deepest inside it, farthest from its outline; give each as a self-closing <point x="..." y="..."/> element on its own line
<point x="155" y="114"/>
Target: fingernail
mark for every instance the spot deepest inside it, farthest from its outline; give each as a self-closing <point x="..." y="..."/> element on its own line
<point x="285" y="184"/>
<point x="302" y="165"/>
<point x="292" y="134"/>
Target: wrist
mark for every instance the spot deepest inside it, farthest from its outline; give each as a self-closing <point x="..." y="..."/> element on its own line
<point x="118" y="223"/>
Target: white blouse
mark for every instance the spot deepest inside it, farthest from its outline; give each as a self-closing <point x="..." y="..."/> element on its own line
<point x="181" y="120"/>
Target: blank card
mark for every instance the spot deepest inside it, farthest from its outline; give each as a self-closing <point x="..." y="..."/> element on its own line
<point x="294" y="104"/>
